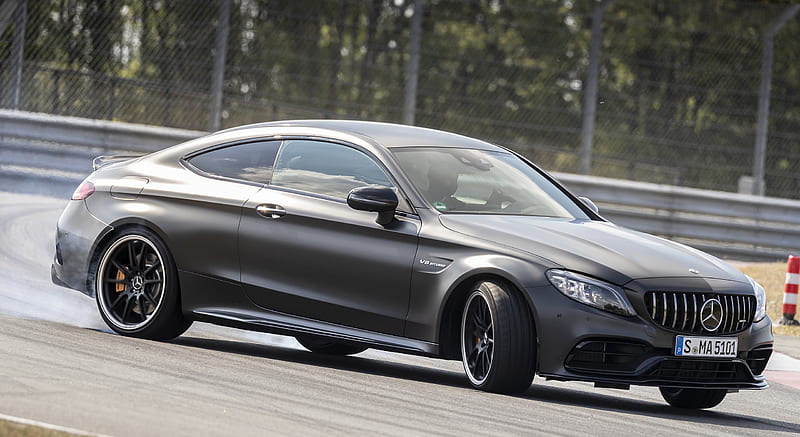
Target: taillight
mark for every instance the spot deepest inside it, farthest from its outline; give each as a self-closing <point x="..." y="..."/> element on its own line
<point x="84" y="190"/>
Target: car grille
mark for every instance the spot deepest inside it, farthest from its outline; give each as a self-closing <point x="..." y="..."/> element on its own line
<point x="680" y="311"/>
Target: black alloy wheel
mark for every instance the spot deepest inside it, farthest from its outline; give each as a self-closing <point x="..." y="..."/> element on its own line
<point x="498" y="348"/>
<point x="478" y="338"/>
<point x="136" y="287"/>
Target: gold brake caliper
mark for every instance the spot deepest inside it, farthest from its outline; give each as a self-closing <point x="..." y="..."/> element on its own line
<point x="120" y="287"/>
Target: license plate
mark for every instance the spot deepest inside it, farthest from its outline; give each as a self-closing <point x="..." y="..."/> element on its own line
<point x="705" y="346"/>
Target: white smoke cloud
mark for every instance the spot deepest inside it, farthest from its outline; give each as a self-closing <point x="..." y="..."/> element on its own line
<point x="27" y="229"/>
<point x="27" y="245"/>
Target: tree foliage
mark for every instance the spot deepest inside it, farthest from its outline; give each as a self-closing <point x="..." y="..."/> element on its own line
<point x="678" y="87"/>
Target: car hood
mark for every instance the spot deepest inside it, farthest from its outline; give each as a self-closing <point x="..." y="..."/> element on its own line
<point x="599" y="249"/>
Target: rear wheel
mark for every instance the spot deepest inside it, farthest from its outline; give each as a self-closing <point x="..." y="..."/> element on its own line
<point x="325" y="346"/>
<point x="497" y="339"/>
<point x="692" y="398"/>
<point x="136" y="287"/>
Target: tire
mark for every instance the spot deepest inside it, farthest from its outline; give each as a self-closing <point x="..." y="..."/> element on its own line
<point x="498" y="348"/>
<point x="136" y="287"/>
<point x="692" y="398"/>
<point x="324" y="346"/>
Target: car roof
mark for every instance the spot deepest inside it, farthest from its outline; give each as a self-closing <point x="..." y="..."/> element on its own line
<point x="388" y="135"/>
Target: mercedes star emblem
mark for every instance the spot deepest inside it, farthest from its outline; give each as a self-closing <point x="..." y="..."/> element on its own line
<point x="711" y="315"/>
<point x="137" y="282"/>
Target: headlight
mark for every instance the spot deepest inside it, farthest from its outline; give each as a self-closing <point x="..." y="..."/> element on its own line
<point x="761" y="300"/>
<point x="591" y="292"/>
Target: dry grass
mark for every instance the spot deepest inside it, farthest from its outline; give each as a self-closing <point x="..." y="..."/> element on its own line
<point x="10" y="428"/>
<point x="772" y="277"/>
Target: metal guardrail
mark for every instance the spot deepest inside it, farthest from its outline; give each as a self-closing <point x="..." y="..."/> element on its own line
<point x="740" y="226"/>
<point x="51" y="154"/>
<point x="109" y="135"/>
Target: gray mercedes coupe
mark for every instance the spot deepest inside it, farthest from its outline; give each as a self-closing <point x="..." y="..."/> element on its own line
<point x="351" y="235"/>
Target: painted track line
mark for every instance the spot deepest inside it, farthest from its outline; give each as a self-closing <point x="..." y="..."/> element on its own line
<point x="48" y="426"/>
<point x="783" y="369"/>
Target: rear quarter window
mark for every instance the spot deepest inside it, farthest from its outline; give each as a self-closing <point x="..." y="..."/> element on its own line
<point x="251" y="162"/>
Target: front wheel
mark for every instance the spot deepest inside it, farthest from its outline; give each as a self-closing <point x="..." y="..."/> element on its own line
<point x="497" y="339"/>
<point x="136" y="287"/>
<point x="692" y="398"/>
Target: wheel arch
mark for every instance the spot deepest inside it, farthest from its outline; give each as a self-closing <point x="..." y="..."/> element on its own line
<point x="449" y="326"/>
<point x="113" y="230"/>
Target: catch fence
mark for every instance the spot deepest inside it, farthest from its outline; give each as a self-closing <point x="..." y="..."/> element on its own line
<point x="670" y="92"/>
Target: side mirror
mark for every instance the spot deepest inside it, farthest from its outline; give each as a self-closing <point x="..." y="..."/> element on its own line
<point x="586" y="201"/>
<point x="382" y="200"/>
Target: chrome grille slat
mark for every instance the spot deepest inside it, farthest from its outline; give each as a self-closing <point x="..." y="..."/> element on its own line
<point x="733" y="313"/>
<point x="745" y="315"/>
<point x="675" y="309"/>
<point x="731" y="326"/>
<point x="654" y="309"/>
<point x="739" y="313"/>
<point x="724" y="325"/>
<point x="685" y="313"/>
<point x="747" y="312"/>
<point x="679" y="311"/>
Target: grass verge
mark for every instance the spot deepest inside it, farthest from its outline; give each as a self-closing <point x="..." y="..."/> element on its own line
<point x="13" y="429"/>
<point x="11" y="426"/>
<point x="772" y="276"/>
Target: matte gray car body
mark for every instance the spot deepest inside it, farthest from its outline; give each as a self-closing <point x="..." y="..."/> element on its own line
<point x="321" y="268"/>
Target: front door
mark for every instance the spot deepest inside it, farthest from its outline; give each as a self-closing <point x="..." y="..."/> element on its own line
<point x="305" y="252"/>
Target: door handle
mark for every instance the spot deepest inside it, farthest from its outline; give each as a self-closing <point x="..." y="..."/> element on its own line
<point x="271" y="211"/>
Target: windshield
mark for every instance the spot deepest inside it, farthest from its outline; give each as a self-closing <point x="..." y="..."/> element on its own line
<point x="482" y="182"/>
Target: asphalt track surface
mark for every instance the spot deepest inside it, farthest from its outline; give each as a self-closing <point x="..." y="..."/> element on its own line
<point x="60" y="365"/>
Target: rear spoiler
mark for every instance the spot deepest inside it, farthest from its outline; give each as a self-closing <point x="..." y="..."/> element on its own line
<point x="102" y="161"/>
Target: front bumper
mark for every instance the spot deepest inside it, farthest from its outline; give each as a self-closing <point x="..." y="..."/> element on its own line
<point x="77" y="233"/>
<point x="609" y="361"/>
<point x="581" y="343"/>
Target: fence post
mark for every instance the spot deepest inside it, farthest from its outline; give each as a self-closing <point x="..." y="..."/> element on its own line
<point x="6" y="14"/>
<point x="218" y="76"/>
<point x="762" y="126"/>
<point x="412" y="68"/>
<point x="590" y="93"/>
<point x="17" y="51"/>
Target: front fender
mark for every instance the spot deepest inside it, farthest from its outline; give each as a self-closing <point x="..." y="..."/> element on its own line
<point x="442" y="277"/>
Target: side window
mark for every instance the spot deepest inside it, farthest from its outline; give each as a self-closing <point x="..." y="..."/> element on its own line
<point x="325" y="168"/>
<point x="249" y="161"/>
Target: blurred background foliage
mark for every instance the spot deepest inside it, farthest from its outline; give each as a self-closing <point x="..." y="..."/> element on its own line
<point x="677" y="91"/>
